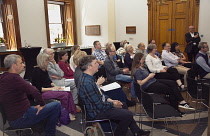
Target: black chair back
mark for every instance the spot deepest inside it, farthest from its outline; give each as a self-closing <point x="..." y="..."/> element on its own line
<point x="3" y="114"/>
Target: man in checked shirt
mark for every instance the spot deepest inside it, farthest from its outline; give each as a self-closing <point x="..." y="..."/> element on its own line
<point x="100" y="106"/>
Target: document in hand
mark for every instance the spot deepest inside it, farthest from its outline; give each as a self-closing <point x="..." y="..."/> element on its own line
<point x="111" y="86"/>
<point x="64" y="89"/>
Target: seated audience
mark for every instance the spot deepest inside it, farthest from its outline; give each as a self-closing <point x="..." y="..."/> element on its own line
<point x="41" y="80"/>
<point x="118" y="94"/>
<point x="154" y="65"/>
<point x="203" y="61"/>
<point x="172" y="60"/>
<point x="57" y="75"/>
<point x="160" y="86"/>
<point x="182" y="61"/>
<point x="129" y="56"/>
<point x="99" y="106"/>
<point x="13" y="98"/>
<point x="114" y="73"/>
<point x="121" y="51"/>
<point x="64" y="65"/>
<point x="157" y="52"/>
<point x="141" y="49"/>
<point x="74" y="49"/>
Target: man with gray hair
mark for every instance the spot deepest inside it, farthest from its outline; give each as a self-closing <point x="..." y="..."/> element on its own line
<point x="56" y="75"/>
<point x="13" y="98"/>
<point x="192" y="39"/>
<point x="203" y="61"/>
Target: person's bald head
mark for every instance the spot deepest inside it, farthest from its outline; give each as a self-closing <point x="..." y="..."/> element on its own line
<point x="50" y="52"/>
<point x="191" y="29"/>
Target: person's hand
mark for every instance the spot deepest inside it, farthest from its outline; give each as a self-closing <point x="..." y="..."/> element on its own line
<point x="57" y="88"/>
<point x="196" y="36"/>
<point x="151" y="75"/>
<point x="166" y="68"/>
<point x="117" y="104"/>
<point x="100" y="62"/>
<point x="118" y="60"/>
<point x="53" y="84"/>
<point x="55" y="77"/>
<point x="100" y="81"/>
<point x="39" y="108"/>
<point x="51" y="59"/>
<point x="125" y="70"/>
<point x="163" y="70"/>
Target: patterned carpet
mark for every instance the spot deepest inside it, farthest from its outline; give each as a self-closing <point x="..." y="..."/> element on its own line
<point x="187" y="126"/>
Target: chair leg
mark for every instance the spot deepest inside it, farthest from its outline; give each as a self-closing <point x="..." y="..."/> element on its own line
<point x="111" y="127"/>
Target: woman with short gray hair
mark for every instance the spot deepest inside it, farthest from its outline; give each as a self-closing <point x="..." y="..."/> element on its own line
<point x="154" y="65"/>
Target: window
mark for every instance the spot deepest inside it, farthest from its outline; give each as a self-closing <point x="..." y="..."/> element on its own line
<point x="55" y="22"/>
<point x="9" y="24"/>
<point x="1" y="21"/>
<point x="60" y="21"/>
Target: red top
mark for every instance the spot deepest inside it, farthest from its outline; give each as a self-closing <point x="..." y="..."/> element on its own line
<point x="68" y="73"/>
<point x="13" y="95"/>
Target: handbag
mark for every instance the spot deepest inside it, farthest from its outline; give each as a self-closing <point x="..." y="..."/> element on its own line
<point x="64" y="116"/>
<point x="94" y="130"/>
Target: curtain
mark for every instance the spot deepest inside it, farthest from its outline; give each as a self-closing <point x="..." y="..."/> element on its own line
<point x="69" y="23"/>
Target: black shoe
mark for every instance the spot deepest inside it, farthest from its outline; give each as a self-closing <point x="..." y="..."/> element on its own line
<point x="143" y="133"/>
<point x="130" y="103"/>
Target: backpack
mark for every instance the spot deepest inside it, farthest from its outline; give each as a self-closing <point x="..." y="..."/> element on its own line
<point x="64" y="116"/>
<point x="94" y="130"/>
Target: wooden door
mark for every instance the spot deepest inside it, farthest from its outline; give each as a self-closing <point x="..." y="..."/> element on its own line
<point x="180" y="22"/>
<point x="163" y="23"/>
<point x="169" y="20"/>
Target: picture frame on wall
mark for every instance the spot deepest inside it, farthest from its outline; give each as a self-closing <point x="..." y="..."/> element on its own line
<point x="130" y="29"/>
<point x="92" y="30"/>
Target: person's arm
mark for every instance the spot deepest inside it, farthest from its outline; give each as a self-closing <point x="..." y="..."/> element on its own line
<point x="202" y="63"/>
<point x="54" y="70"/>
<point x="170" y="58"/>
<point x="150" y="64"/>
<point x="109" y="68"/>
<point x="142" y="82"/>
<point x="67" y="71"/>
<point x="91" y="93"/>
<point x="24" y="86"/>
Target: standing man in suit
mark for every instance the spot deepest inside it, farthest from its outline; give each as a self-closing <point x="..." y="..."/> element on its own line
<point x="192" y="39"/>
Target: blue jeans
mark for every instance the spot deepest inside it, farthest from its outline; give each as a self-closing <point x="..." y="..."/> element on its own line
<point x="51" y="112"/>
<point x="126" y="78"/>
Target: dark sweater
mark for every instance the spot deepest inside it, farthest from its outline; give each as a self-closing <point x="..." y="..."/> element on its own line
<point x="40" y="79"/>
<point x="13" y="95"/>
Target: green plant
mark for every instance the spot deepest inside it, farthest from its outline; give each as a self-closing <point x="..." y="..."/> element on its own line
<point x="2" y="40"/>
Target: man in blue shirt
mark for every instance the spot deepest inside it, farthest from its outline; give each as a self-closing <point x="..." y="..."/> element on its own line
<point x="100" y="106"/>
<point x="203" y="61"/>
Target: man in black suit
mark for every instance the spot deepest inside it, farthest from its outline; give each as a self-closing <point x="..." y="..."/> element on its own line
<point x="192" y="39"/>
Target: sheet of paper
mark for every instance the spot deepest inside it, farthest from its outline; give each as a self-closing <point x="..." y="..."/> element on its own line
<point x="66" y="80"/>
<point x="111" y="86"/>
<point x="64" y="89"/>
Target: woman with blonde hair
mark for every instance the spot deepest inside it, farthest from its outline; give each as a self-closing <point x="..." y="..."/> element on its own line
<point x="41" y="80"/>
<point x="128" y="56"/>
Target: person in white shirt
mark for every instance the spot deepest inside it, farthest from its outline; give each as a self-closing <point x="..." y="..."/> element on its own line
<point x="74" y="50"/>
<point x="172" y="60"/>
<point x="154" y="65"/>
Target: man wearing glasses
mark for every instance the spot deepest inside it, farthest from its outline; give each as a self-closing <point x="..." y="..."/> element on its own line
<point x="202" y="59"/>
<point x="192" y="39"/>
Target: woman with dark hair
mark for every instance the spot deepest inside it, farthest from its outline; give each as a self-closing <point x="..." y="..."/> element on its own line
<point x="64" y="65"/>
<point x="154" y="65"/>
<point x="161" y="86"/>
<point x="175" y="50"/>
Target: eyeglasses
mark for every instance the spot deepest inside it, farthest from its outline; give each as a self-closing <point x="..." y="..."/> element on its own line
<point x="112" y="51"/>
